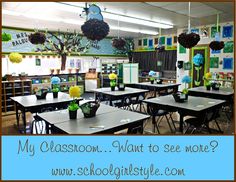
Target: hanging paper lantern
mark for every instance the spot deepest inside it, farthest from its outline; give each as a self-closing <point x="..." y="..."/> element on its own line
<point x="95" y="29"/>
<point x="37" y="38"/>
<point x="15" y="57"/>
<point x="217" y="44"/>
<point x="188" y="40"/>
<point x="118" y="43"/>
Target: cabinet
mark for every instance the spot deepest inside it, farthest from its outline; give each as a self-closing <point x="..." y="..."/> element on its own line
<point x="11" y="89"/>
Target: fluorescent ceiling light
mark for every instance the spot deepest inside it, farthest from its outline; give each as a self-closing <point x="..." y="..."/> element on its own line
<point x="134" y="20"/>
<point x="74" y="21"/>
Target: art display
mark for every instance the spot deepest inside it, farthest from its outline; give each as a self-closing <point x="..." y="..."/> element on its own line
<point x="228" y="63"/>
<point x="182" y="50"/>
<point x="187" y="66"/>
<point x="214" y="62"/>
<point x="195" y="30"/>
<point x="205" y="32"/>
<point x="229" y="47"/>
<point x="156" y="41"/>
<point x="227" y="31"/>
<point x="162" y="40"/>
<point x="214" y="30"/>
<point x="38" y="62"/>
<point x="139" y="42"/>
<point x="215" y="51"/>
<point x="169" y="41"/>
<point x="150" y="43"/>
<point x="144" y="42"/>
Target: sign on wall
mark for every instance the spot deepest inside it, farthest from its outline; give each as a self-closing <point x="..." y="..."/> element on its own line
<point x="17" y="41"/>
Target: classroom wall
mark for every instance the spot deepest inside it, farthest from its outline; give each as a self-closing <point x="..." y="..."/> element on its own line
<point x="29" y="66"/>
<point x="184" y="56"/>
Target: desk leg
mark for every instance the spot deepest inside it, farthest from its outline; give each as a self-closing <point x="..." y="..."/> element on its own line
<point x="17" y="116"/>
<point x="181" y="122"/>
<point x="24" y="120"/>
<point x="110" y="101"/>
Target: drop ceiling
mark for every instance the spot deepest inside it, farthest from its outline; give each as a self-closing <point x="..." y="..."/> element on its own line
<point x="173" y="13"/>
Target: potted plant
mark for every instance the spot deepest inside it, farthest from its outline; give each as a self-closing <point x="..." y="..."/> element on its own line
<point x="152" y="75"/>
<point x="74" y="92"/>
<point x="52" y="71"/>
<point x="55" y="81"/>
<point x="89" y="109"/>
<point x="41" y="93"/>
<point x="112" y="78"/>
<point x="207" y="78"/>
<point x="186" y="80"/>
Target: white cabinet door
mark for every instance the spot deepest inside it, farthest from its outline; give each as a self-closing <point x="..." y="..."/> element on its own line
<point x="130" y="73"/>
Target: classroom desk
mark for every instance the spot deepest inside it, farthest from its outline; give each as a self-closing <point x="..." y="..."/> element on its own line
<point x="195" y="106"/>
<point x="107" y="120"/>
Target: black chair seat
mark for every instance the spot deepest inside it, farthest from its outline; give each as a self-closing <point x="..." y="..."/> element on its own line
<point x="194" y="122"/>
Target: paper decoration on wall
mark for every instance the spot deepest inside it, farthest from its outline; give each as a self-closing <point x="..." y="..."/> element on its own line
<point x="229" y="47"/>
<point x="175" y="39"/>
<point x="139" y="42"/>
<point x="72" y="63"/>
<point x="162" y="40"/>
<point x="204" y="32"/>
<point x="150" y="43"/>
<point x="214" y="30"/>
<point x="227" y="63"/>
<point x="215" y="51"/>
<point x="156" y="41"/>
<point x="214" y="62"/>
<point x="38" y="62"/>
<point x="187" y="66"/>
<point x="195" y="30"/>
<point x="144" y="42"/>
<point x="169" y="41"/>
<point x="182" y="50"/>
<point x="227" y="31"/>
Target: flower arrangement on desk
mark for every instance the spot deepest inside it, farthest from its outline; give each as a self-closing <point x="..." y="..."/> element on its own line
<point x="112" y="78"/>
<point x="55" y="81"/>
<point x="74" y="92"/>
<point x="152" y="75"/>
<point x="207" y="78"/>
<point x="41" y="93"/>
<point x="186" y="80"/>
<point x="198" y="62"/>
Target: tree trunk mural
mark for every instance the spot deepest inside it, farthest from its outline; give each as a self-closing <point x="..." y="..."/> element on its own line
<point x="63" y="44"/>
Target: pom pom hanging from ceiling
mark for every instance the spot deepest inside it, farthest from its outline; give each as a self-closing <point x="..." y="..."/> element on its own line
<point x="37" y="38"/>
<point x="188" y="40"/>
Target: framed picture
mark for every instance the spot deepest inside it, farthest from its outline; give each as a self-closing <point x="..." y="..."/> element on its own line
<point x="139" y="42"/>
<point x="175" y="39"/>
<point x="195" y="30"/>
<point x="214" y="30"/>
<point x="227" y="63"/>
<point x="187" y="66"/>
<point x="162" y="40"/>
<point x="169" y="41"/>
<point x="204" y="32"/>
<point x="214" y="62"/>
<point x="150" y="43"/>
<point x="156" y="41"/>
<point x="215" y="51"/>
<point x="227" y="31"/>
<point x="144" y="42"/>
<point x="229" y="47"/>
<point x="182" y="50"/>
<point x="38" y="62"/>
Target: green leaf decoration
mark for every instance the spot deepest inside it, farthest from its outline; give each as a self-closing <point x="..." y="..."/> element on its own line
<point x="6" y="37"/>
<point x="197" y="83"/>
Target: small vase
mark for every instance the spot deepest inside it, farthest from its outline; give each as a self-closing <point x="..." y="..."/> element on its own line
<point x="113" y="88"/>
<point x="76" y="70"/>
<point x="208" y="87"/>
<point x="152" y="81"/>
<point x="69" y="70"/>
<point x="55" y="95"/>
<point x="186" y="96"/>
<point x="52" y="71"/>
<point x="73" y="114"/>
<point x="58" y="71"/>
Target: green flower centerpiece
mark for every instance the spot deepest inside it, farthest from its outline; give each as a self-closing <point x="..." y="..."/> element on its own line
<point x="186" y="80"/>
<point x="74" y="92"/>
<point x="112" y="78"/>
<point x="89" y="109"/>
<point x="207" y="78"/>
<point x="152" y="76"/>
<point x="55" y="81"/>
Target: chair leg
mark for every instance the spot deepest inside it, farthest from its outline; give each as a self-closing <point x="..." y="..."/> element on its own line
<point x="168" y="122"/>
<point x="218" y="126"/>
<point x="173" y="123"/>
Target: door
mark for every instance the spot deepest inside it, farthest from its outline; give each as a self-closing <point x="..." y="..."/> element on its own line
<point x="197" y="75"/>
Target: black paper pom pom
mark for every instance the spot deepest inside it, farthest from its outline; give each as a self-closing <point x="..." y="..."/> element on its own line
<point x="95" y="29"/>
<point x="118" y="43"/>
<point x="188" y="40"/>
<point x="216" y="45"/>
<point x="37" y="38"/>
